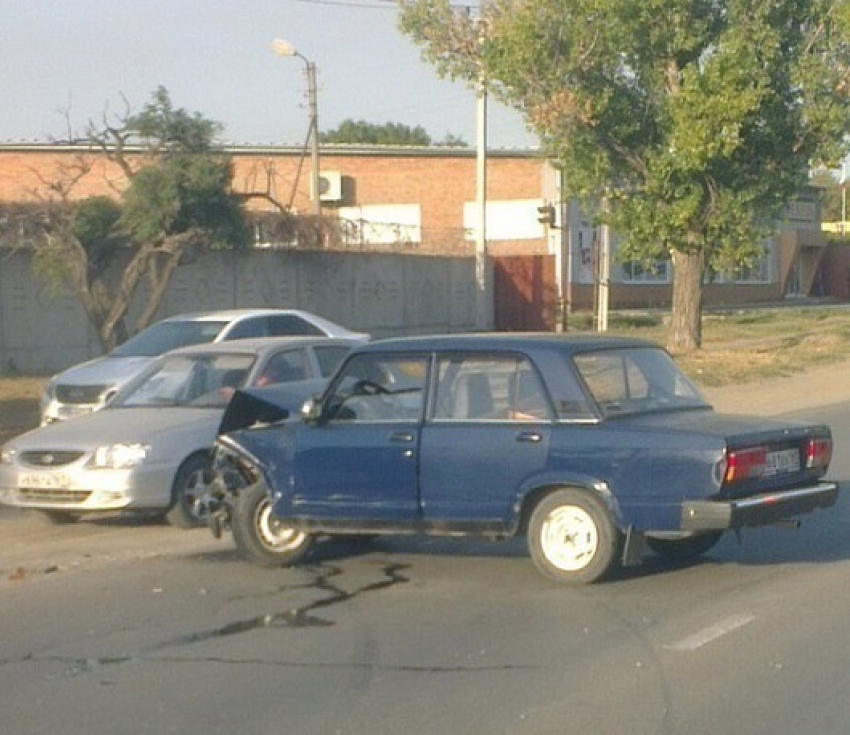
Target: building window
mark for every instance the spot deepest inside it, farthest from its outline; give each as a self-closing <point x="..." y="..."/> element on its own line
<point x="381" y="224"/>
<point x="636" y="271"/>
<point x="757" y="272"/>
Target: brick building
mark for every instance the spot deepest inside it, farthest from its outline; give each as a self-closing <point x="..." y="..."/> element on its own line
<point x="422" y="200"/>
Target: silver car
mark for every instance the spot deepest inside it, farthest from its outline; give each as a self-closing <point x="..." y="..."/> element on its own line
<point x="149" y="448"/>
<point x="89" y="386"/>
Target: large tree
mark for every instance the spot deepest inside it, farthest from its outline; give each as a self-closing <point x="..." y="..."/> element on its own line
<point x="173" y="195"/>
<point x="694" y="120"/>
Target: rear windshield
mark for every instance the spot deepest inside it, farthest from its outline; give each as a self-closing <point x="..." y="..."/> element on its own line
<point x="166" y="336"/>
<point x="636" y="380"/>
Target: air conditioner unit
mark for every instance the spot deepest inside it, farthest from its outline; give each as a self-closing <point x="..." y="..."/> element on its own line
<point x="330" y="186"/>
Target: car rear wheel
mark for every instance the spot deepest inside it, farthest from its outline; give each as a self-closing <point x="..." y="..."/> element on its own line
<point x="571" y="537"/>
<point x="262" y="537"/>
<point x="683" y="549"/>
<point x="190" y="484"/>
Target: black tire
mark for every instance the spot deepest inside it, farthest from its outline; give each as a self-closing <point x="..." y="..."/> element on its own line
<point x="57" y="517"/>
<point x="190" y="483"/>
<point x="260" y="536"/>
<point x="684" y="549"/>
<point x="572" y="538"/>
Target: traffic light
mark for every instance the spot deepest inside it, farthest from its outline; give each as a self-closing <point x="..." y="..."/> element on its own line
<point x="546" y="215"/>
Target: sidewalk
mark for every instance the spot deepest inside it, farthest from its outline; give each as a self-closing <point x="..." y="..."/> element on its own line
<point x="821" y="385"/>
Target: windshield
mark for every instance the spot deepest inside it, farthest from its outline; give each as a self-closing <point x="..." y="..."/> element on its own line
<point x="197" y="380"/>
<point x="165" y="336"/>
<point x="636" y="380"/>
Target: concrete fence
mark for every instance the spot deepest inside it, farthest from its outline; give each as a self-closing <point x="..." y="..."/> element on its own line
<point x="383" y="294"/>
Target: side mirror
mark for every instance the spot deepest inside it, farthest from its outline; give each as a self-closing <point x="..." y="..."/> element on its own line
<point x="311" y="411"/>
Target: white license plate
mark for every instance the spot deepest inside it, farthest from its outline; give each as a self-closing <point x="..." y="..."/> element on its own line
<point x="786" y="460"/>
<point x="71" y="411"/>
<point x="44" y="480"/>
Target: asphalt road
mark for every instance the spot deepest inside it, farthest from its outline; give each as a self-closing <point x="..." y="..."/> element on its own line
<point x="112" y="626"/>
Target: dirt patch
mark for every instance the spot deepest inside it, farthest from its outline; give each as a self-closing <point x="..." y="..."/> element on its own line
<point x="19" y="405"/>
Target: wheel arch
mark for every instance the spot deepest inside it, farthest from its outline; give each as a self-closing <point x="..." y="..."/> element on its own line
<point x="533" y="494"/>
<point x="204" y="454"/>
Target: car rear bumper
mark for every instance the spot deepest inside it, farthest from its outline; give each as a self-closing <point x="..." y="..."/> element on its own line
<point x="756" y="510"/>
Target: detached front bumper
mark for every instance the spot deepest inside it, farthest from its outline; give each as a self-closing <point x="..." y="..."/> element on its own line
<point x="756" y="510"/>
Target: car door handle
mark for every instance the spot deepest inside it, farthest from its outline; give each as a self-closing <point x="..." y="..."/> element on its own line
<point x="402" y="436"/>
<point x="532" y="437"/>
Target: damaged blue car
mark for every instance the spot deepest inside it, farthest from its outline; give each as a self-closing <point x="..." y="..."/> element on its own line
<point x="592" y="448"/>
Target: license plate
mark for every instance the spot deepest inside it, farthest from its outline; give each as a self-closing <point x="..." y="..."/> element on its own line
<point x="786" y="460"/>
<point x="43" y="480"/>
<point x="71" y="411"/>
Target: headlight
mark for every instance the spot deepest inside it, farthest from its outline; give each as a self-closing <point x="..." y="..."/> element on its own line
<point x="7" y="455"/>
<point x="118" y="456"/>
<point x="48" y="394"/>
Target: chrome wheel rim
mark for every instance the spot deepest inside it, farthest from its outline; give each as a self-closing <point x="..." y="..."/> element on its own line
<point x="194" y="492"/>
<point x="273" y="533"/>
<point x="569" y="538"/>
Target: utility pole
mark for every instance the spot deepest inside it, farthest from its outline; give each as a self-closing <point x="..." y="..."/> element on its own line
<point x="312" y="99"/>
<point x="482" y="292"/>
<point x="603" y="291"/>
<point x="285" y="48"/>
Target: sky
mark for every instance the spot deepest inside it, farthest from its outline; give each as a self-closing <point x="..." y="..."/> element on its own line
<point x="68" y="62"/>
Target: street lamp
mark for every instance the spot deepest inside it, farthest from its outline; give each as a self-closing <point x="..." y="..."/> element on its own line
<point x="284" y="48"/>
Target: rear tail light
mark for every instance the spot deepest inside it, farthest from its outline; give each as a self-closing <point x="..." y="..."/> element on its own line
<point x="745" y="464"/>
<point x="818" y="453"/>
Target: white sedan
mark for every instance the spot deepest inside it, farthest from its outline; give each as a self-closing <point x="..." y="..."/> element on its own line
<point x="149" y="448"/>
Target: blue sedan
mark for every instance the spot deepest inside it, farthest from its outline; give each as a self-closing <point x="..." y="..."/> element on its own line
<point x="592" y="448"/>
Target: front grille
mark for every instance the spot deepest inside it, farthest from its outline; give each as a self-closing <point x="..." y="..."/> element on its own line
<point x="47" y="458"/>
<point x="83" y="394"/>
<point x="52" y="495"/>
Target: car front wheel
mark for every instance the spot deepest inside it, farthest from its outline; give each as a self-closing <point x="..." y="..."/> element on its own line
<point x="571" y="537"/>
<point x="190" y="485"/>
<point x="262" y="537"/>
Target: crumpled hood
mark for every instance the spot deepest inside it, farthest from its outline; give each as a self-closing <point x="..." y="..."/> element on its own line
<point x="269" y="404"/>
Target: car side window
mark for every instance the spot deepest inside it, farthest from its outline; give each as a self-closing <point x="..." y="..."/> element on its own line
<point x="283" y="324"/>
<point x="248" y="328"/>
<point x="635" y="380"/>
<point x="378" y="388"/>
<point x="476" y="388"/>
<point x="329" y="357"/>
<point x="284" y="367"/>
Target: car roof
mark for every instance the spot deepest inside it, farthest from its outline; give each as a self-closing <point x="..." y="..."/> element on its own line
<point x="259" y="345"/>
<point x="232" y="314"/>
<point x="506" y="342"/>
<point x="235" y="315"/>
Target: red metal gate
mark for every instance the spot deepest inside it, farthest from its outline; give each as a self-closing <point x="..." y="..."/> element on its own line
<point x="524" y="293"/>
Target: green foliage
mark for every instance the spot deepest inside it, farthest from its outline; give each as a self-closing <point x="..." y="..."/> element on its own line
<point x="95" y="224"/>
<point x="186" y="186"/>
<point x="185" y="192"/>
<point x="95" y="220"/>
<point x="360" y="132"/>
<point x="161" y="128"/>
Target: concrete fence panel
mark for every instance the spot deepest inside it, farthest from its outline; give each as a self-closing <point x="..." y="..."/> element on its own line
<point x="383" y="294"/>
